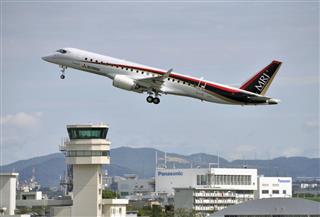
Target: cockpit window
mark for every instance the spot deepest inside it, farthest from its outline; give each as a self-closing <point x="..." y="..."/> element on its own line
<point x="63" y="51"/>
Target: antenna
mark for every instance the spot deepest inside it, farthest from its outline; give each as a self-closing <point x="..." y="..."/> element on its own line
<point x="165" y="160"/>
<point x="156" y="159"/>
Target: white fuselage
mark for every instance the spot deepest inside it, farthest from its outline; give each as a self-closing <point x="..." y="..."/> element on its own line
<point x="111" y="67"/>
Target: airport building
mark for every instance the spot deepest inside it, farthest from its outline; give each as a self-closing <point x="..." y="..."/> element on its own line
<point x="269" y="187"/>
<point x="86" y="150"/>
<point x="8" y="184"/>
<point x="272" y="207"/>
<point x="132" y="186"/>
<point x="214" y="178"/>
<point x="206" y="190"/>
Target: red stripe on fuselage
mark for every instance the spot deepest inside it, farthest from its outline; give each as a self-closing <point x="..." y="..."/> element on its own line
<point x="178" y="77"/>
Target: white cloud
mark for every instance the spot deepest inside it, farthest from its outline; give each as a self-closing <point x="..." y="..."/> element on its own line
<point x="301" y="80"/>
<point x="292" y="151"/>
<point x="21" y="119"/>
<point x="312" y="124"/>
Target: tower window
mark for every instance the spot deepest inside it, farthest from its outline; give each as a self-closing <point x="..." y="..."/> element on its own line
<point x="87" y="133"/>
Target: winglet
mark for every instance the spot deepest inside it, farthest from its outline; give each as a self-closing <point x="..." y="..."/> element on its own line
<point x="167" y="73"/>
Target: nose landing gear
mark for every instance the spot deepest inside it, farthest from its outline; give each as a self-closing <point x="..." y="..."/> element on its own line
<point x="63" y="69"/>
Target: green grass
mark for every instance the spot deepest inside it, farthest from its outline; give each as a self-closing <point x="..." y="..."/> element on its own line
<point x="308" y="197"/>
<point x="315" y="198"/>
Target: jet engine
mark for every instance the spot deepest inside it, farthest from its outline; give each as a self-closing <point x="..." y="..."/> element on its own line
<point x="124" y="82"/>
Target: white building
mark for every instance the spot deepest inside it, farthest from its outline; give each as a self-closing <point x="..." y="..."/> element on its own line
<point x="215" y="178"/>
<point x="274" y="187"/>
<point x="87" y="150"/>
<point x="32" y="195"/>
<point x="114" y="207"/>
<point x="207" y="190"/>
<point x="139" y="187"/>
<point x="8" y="185"/>
<point x="168" y="179"/>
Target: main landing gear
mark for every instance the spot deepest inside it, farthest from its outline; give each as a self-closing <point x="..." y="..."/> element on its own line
<point x="63" y="69"/>
<point x="151" y="99"/>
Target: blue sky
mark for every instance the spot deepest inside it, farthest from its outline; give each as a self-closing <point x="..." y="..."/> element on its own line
<point x="222" y="42"/>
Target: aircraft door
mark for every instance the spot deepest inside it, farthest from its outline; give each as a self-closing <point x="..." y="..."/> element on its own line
<point x="201" y="87"/>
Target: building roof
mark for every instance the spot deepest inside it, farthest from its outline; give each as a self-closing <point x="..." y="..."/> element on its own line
<point x="89" y="125"/>
<point x="9" y="174"/>
<point x="115" y="201"/>
<point x="272" y="206"/>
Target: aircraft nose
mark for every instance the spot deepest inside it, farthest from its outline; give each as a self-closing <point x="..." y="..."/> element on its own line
<point x="47" y="58"/>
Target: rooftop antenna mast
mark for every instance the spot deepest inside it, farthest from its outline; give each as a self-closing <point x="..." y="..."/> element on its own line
<point x="165" y="160"/>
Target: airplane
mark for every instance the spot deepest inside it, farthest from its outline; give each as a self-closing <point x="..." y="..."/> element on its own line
<point x="156" y="82"/>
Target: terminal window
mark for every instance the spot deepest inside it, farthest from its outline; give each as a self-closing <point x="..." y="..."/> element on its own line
<point x="230" y="179"/>
<point x="87" y="133"/>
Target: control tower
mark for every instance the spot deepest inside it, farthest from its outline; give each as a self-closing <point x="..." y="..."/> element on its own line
<point x="87" y="150"/>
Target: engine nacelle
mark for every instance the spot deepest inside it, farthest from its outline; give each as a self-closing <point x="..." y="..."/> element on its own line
<point x="123" y="82"/>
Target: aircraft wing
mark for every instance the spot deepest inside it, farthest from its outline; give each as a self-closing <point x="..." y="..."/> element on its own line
<point x="153" y="82"/>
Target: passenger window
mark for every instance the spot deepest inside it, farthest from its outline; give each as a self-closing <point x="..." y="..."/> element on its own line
<point x="91" y="60"/>
<point x="142" y="73"/>
<point x="86" y="58"/>
<point x="96" y="61"/>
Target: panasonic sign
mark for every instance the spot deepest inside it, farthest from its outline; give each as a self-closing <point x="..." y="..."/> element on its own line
<point x="283" y="180"/>
<point x="178" y="173"/>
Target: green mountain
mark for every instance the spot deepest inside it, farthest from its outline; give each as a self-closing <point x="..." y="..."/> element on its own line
<point x="141" y="161"/>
